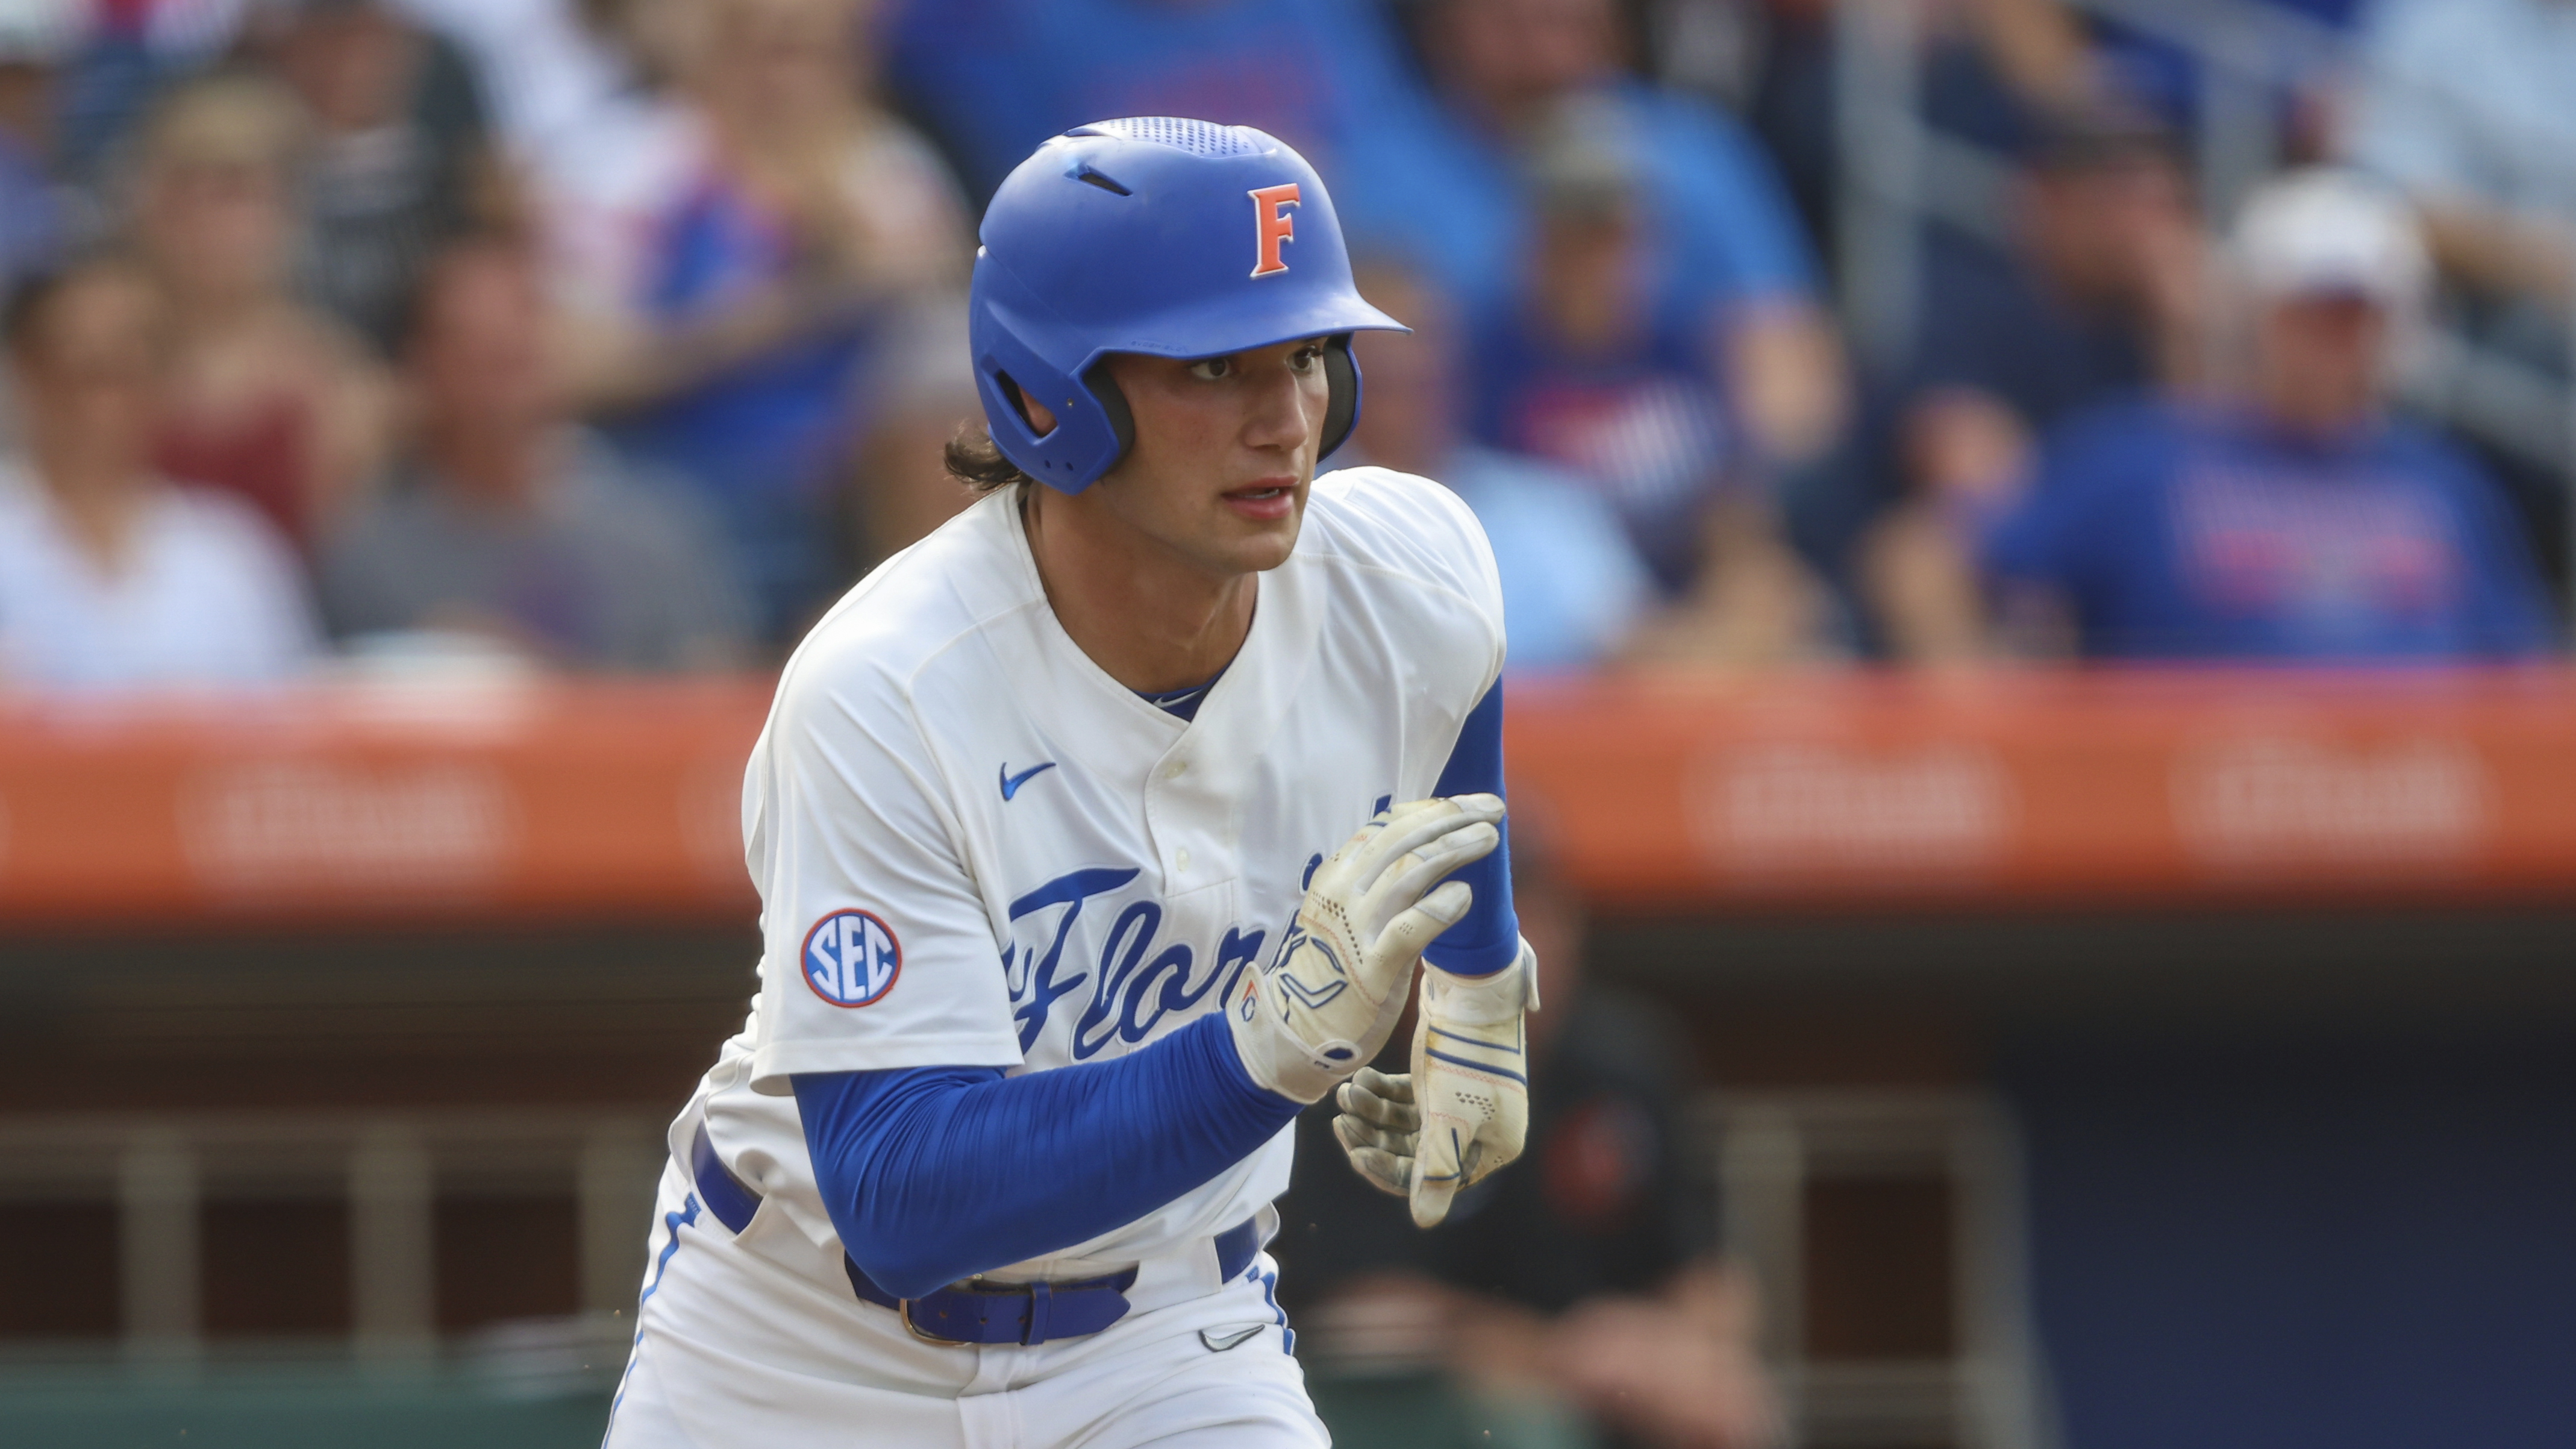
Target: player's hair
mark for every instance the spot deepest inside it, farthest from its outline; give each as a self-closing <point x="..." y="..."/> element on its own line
<point x="974" y="459"/>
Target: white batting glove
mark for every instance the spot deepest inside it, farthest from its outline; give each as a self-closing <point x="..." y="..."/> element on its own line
<point x="1330" y="997"/>
<point x="1378" y="1128"/>
<point x="1470" y="1079"/>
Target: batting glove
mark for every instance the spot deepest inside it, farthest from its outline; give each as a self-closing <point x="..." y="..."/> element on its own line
<point x="1378" y="1128"/>
<point x="1470" y="1079"/>
<point x="1330" y="997"/>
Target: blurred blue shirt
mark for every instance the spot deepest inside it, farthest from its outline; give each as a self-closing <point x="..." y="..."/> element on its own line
<point x="761" y="441"/>
<point x="1718" y="223"/>
<point x="1572" y="583"/>
<point x="1645" y="428"/>
<point x="995" y="78"/>
<point x="1991" y="324"/>
<point x="31" y="217"/>
<point x="2188" y="533"/>
<point x="2470" y="99"/>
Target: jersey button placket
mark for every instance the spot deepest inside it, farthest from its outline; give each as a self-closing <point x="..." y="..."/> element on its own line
<point x="1176" y="858"/>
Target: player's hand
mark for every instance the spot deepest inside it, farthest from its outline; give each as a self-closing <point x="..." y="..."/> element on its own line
<point x="1330" y="997"/>
<point x="1377" y="1128"/>
<point x="1470" y="1079"/>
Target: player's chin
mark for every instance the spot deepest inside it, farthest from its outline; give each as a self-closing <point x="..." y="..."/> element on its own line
<point x="1261" y="523"/>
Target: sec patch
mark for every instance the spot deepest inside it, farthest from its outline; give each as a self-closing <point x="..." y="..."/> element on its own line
<point x="852" y="958"/>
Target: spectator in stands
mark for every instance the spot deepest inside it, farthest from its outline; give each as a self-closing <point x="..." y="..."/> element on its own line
<point x="1577" y="1286"/>
<point x="794" y="242"/>
<point x="1634" y="393"/>
<point x="2341" y="14"/>
<point x="2301" y="522"/>
<point x="512" y="525"/>
<point x="2466" y="105"/>
<point x="919" y="387"/>
<point x="1984" y="68"/>
<point x="608" y="168"/>
<point x="268" y="399"/>
<point x="109" y="575"/>
<point x="399" y="157"/>
<point x="1716" y="233"/>
<point x="129" y="51"/>
<point x="994" y="78"/>
<point x="545" y="68"/>
<point x="1573" y="583"/>
<point x="35" y="36"/>
<point x="2103" y="296"/>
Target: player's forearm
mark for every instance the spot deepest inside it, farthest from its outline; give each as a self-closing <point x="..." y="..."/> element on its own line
<point x="938" y="1174"/>
<point x="1489" y="939"/>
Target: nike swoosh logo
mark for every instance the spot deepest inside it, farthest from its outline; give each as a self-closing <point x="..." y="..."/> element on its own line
<point x="1220" y="1342"/>
<point x="1011" y="783"/>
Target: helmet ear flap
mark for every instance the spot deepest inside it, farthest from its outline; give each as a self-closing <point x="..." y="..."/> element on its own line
<point x="1342" y="411"/>
<point x="1113" y="403"/>
<point x="1085" y="441"/>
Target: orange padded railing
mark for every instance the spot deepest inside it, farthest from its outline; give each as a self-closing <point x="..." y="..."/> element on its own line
<point x="2049" y="787"/>
<point x="1995" y="791"/>
<point x="370" y="803"/>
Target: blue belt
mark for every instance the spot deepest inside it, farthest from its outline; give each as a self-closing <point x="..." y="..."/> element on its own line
<point x="727" y="1196"/>
<point x="1024" y="1313"/>
<point x="975" y="1311"/>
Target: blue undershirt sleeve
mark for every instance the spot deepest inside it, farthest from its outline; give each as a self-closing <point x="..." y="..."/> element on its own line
<point x="1489" y="939"/>
<point x="934" y="1174"/>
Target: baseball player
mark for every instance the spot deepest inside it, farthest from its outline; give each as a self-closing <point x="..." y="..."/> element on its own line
<point x="1082" y="866"/>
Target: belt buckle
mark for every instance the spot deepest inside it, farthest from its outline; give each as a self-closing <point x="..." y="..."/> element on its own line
<point x="903" y="1310"/>
<point x="977" y="1284"/>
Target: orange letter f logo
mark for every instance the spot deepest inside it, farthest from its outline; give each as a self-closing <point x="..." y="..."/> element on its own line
<point x="1272" y="226"/>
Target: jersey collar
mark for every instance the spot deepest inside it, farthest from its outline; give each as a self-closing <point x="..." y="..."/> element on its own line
<point x="1113" y="730"/>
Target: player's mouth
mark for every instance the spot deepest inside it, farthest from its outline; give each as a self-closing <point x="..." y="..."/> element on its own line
<point x="1265" y="501"/>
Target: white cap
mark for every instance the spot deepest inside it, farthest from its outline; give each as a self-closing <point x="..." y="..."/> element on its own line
<point x="41" y="32"/>
<point x="2328" y="230"/>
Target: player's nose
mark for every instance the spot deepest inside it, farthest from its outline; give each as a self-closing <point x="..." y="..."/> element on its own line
<point x="1279" y="412"/>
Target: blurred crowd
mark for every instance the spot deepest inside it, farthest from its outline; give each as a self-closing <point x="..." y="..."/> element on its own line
<point x="623" y="334"/>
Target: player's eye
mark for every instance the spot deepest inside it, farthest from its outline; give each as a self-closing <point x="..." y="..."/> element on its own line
<point x="1212" y="369"/>
<point x="1305" y="358"/>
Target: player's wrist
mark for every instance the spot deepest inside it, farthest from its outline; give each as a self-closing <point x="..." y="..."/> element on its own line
<point x="1276" y="1060"/>
<point x="1487" y="1000"/>
<point x="1222" y="1050"/>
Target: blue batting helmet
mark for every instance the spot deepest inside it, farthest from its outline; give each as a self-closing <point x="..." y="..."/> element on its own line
<point x="1169" y="237"/>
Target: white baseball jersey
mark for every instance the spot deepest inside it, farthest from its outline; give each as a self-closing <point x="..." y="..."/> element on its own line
<point x="976" y="848"/>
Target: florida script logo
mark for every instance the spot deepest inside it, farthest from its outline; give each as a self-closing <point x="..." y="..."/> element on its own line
<point x="1133" y="986"/>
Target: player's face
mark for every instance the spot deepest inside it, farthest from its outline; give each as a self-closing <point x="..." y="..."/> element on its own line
<point x="1225" y="449"/>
